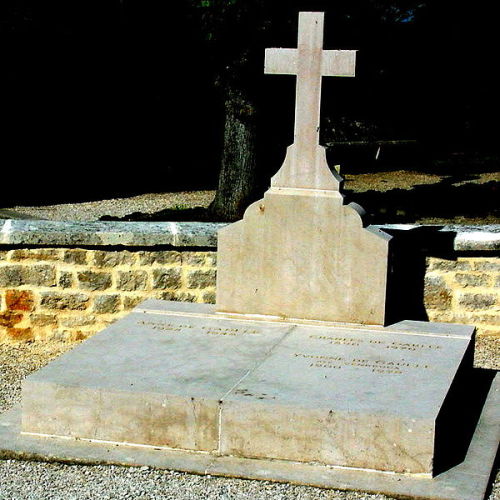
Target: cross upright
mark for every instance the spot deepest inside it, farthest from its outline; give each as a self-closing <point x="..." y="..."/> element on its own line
<point x="305" y="166"/>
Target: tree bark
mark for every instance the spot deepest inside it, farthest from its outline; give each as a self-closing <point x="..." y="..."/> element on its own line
<point x="237" y="178"/>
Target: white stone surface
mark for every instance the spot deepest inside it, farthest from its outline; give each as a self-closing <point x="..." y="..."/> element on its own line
<point x="300" y="253"/>
<point x="197" y="380"/>
<point x="305" y="166"/>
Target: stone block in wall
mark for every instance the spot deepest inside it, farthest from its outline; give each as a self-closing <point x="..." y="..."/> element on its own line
<point x="130" y="281"/>
<point x="438" y="264"/>
<point x="209" y="298"/>
<point x="130" y="301"/>
<point x="75" y="257"/>
<point x="107" y="304"/>
<point x="42" y="320"/>
<point x="166" y="257"/>
<point x="19" y="300"/>
<point x="20" y="333"/>
<point x="492" y="265"/>
<point x="200" y="259"/>
<point x="90" y="280"/>
<point x="476" y="301"/>
<point x="64" y="301"/>
<point x="66" y="279"/>
<point x="178" y="296"/>
<point x="202" y="278"/>
<point x="77" y="321"/>
<point x="167" y="278"/>
<point x="19" y="275"/>
<point x="437" y="293"/>
<point x="105" y="259"/>
<point x="8" y="319"/>
<point x="36" y="254"/>
<point x="472" y="280"/>
<point x="195" y="259"/>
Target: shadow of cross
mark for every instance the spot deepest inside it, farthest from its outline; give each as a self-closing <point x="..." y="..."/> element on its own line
<point x="305" y="166"/>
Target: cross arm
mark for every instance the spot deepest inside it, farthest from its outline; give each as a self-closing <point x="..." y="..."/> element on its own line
<point x="281" y="61"/>
<point x="338" y="63"/>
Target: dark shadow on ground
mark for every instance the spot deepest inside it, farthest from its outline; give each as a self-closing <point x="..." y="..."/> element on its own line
<point x="459" y="416"/>
<point x="442" y="200"/>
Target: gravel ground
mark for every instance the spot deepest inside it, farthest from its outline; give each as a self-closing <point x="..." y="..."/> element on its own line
<point x="116" y="207"/>
<point x="20" y="480"/>
<point x="151" y="203"/>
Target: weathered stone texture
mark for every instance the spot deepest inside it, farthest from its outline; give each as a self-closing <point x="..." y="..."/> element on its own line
<point x="195" y="258"/>
<point x="202" y="279"/>
<point x="8" y="319"/>
<point x="39" y="254"/>
<point x="167" y="257"/>
<point x="77" y="321"/>
<point x="209" y="298"/>
<point x="130" y="301"/>
<point x="437" y="264"/>
<point x="106" y="304"/>
<point x="66" y="279"/>
<point x="44" y="293"/>
<point x="90" y="280"/>
<point x="466" y="291"/>
<point x="104" y="259"/>
<point x="132" y="280"/>
<point x="19" y="300"/>
<point x="20" y="333"/>
<point x="71" y="293"/>
<point x="41" y="320"/>
<point x="18" y="275"/>
<point x="437" y="294"/>
<point x="465" y="279"/>
<point x="164" y="279"/>
<point x="477" y="301"/>
<point x="78" y="257"/>
<point x="61" y="301"/>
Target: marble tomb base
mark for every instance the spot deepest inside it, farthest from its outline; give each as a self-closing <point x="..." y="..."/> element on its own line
<point x="395" y="409"/>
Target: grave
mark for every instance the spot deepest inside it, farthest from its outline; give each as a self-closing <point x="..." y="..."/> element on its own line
<point x="294" y="375"/>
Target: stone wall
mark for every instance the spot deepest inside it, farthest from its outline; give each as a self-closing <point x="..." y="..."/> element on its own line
<point x="465" y="290"/>
<point x="68" y="281"/>
<point x="69" y="294"/>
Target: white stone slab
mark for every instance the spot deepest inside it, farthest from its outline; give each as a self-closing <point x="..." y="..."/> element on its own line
<point x="148" y="379"/>
<point x="355" y="398"/>
<point x="197" y="380"/>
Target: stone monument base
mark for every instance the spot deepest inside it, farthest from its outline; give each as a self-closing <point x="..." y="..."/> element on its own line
<point x="395" y="409"/>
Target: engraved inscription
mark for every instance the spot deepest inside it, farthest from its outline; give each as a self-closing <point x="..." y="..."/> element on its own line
<point x="406" y="346"/>
<point x="355" y="342"/>
<point x="209" y="330"/>
<point x="377" y="366"/>
<point x="166" y="327"/>
<point x="337" y="340"/>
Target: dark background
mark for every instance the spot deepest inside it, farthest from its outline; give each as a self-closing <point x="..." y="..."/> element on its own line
<point x="108" y="98"/>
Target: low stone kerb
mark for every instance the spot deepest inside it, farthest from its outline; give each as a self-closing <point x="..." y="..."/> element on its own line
<point x="187" y="234"/>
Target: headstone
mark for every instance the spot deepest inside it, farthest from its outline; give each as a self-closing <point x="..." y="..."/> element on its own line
<point x="300" y="252"/>
<point x="284" y="379"/>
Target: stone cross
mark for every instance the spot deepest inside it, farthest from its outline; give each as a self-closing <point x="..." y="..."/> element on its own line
<point x="306" y="159"/>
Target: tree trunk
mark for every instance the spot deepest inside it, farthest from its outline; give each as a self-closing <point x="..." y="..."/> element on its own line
<point x="237" y="178"/>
